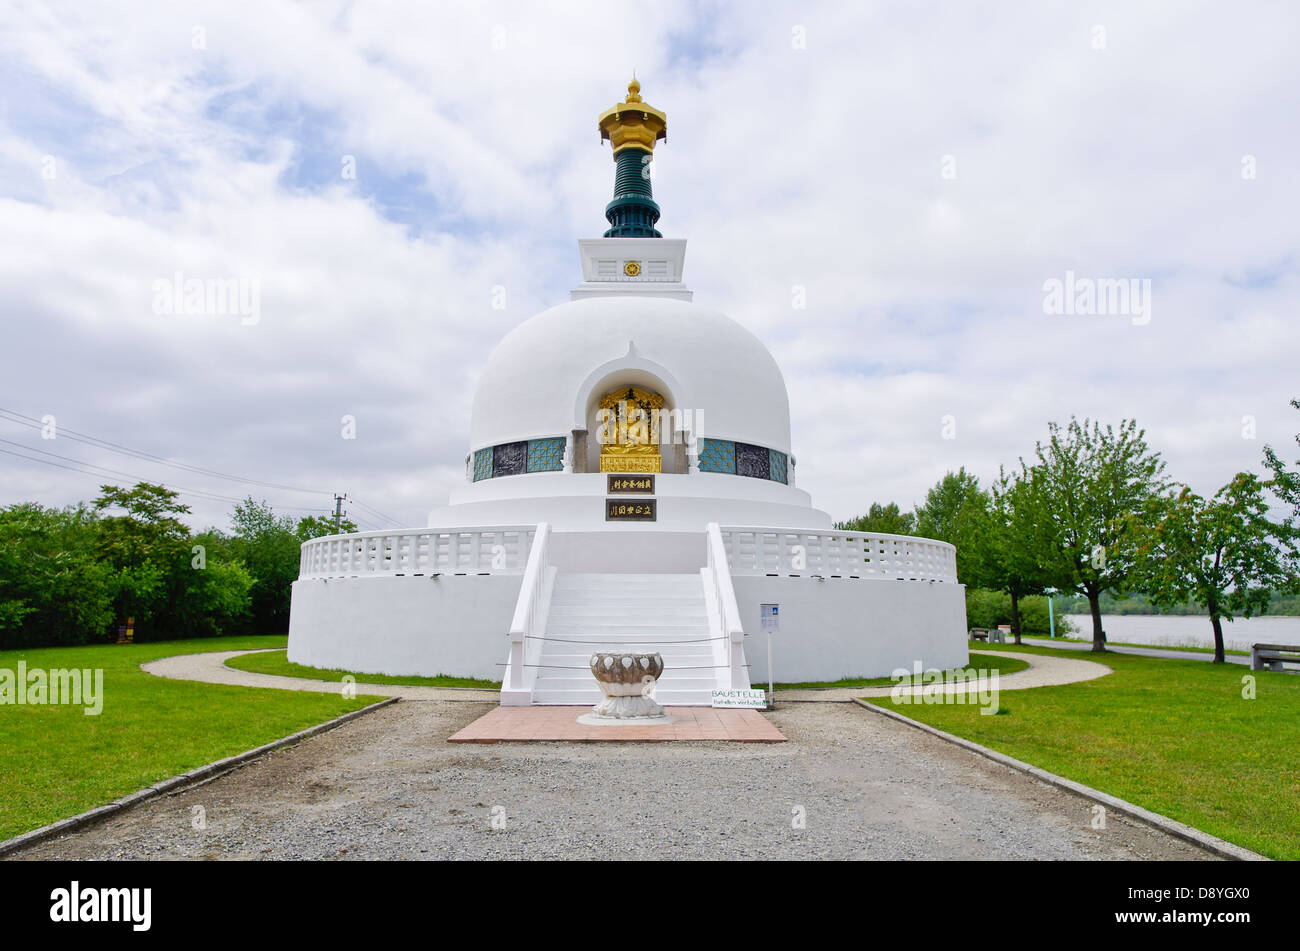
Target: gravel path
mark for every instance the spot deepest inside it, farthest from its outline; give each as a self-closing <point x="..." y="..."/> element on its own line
<point x="210" y="668"/>
<point x="1044" y="671"/>
<point x="389" y="786"/>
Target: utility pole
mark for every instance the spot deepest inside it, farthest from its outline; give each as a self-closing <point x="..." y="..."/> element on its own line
<point x="338" y="510"/>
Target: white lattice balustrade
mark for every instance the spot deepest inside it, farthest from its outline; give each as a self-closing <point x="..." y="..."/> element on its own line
<point x="832" y="554"/>
<point x="479" y="551"/>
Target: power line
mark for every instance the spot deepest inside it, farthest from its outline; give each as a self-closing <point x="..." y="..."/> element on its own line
<point x="105" y="470"/>
<point x="375" y="512"/>
<point x="23" y="420"/>
<point x="110" y="472"/>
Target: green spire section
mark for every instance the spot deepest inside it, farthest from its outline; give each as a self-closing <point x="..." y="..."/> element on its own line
<point x="633" y="212"/>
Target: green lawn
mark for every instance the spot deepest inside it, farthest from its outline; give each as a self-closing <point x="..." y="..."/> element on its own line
<point x="989" y="662"/>
<point x="55" y="761"/>
<point x="1174" y="736"/>
<point x="275" y="662"/>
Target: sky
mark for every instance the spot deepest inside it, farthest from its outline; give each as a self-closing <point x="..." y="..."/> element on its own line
<point x="883" y="192"/>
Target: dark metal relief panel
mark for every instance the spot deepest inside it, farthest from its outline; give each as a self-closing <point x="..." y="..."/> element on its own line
<point x="509" y="458"/>
<point x="752" y="461"/>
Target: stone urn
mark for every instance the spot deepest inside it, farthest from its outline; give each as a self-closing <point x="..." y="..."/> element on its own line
<point x="627" y="679"/>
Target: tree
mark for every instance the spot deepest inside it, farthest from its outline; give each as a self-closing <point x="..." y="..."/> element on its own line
<point x="1086" y="483"/>
<point x="1224" y="554"/>
<point x="53" y="587"/>
<point x="955" y="511"/>
<point x="1004" y="543"/>
<point x="318" y="526"/>
<point x="145" y="546"/>
<point x="940" y="515"/>
<point x="210" y="592"/>
<point x="887" y="519"/>
<point x="270" y="549"/>
<point x="1285" y="483"/>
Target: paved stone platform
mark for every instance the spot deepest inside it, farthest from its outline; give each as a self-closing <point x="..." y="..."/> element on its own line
<point x="560" y="724"/>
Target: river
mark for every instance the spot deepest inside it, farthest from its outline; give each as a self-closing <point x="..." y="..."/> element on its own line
<point x="1190" y="630"/>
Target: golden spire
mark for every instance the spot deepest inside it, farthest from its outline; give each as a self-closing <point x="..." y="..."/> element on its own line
<point x="633" y="123"/>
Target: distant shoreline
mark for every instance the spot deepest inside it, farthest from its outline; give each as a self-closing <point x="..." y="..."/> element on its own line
<point x="1188" y="630"/>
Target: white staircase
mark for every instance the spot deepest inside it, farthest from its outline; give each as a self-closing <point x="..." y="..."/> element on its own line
<point x="658" y="612"/>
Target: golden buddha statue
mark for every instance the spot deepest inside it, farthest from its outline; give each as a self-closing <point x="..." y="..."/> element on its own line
<point x="629" y="431"/>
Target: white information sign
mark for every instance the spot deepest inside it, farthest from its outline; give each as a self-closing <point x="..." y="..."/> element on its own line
<point x="755" y="699"/>
<point x="769" y="618"/>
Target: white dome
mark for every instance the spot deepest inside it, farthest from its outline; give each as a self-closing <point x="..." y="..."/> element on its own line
<point x="541" y="378"/>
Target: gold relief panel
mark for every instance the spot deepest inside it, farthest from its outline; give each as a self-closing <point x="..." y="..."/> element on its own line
<point x="620" y="462"/>
<point x="628" y="430"/>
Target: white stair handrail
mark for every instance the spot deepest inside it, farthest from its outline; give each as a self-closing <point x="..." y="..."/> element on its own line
<point x="530" y="611"/>
<point x="729" y="624"/>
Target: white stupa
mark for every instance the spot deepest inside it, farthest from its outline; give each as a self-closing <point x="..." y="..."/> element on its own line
<point x="630" y="483"/>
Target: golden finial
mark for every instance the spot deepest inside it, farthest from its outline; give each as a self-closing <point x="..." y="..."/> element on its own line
<point x="633" y="122"/>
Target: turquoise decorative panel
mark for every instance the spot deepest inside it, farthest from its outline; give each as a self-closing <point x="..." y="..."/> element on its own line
<point x="546" y="455"/>
<point x="777" y="461"/>
<point x="483" y="464"/>
<point x="717" y="455"/>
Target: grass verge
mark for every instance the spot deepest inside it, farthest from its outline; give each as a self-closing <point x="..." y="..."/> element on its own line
<point x="56" y="761"/>
<point x="276" y="662"/>
<point x="1159" y="647"/>
<point x="1177" y="737"/>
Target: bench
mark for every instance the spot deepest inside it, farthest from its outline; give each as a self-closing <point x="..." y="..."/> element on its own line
<point x="979" y="634"/>
<point x="1273" y="656"/>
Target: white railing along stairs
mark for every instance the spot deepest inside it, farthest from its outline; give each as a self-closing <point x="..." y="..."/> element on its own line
<point x="562" y="618"/>
<point x="528" y="625"/>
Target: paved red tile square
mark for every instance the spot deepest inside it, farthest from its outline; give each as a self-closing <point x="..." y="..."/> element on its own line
<point x="560" y="724"/>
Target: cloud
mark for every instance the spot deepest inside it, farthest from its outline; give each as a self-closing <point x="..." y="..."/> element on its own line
<point x="472" y="132"/>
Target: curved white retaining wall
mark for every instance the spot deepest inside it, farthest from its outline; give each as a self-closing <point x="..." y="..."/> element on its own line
<point x="405" y="626"/>
<point x="426" y="602"/>
<point x="841" y="628"/>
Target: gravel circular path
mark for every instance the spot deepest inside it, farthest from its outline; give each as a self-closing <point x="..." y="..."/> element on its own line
<point x="210" y="668"/>
<point x="1044" y="671"/>
<point x="389" y="786"/>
